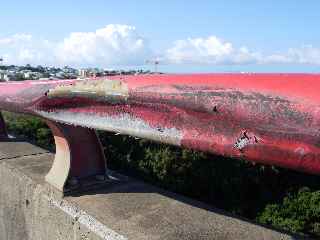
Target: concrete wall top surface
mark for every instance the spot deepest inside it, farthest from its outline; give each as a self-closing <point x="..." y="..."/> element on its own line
<point x="121" y="209"/>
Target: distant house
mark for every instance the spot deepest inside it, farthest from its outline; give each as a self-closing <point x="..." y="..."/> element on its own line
<point x="27" y="75"/>
<point x="83" y="73"/>
<point x="5" y="77"/>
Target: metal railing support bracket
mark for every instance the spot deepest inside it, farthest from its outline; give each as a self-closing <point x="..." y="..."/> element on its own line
<point x="79" y="157"/>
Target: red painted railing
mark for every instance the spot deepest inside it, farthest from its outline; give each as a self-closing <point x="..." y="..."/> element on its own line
<point x="267" y="118"/>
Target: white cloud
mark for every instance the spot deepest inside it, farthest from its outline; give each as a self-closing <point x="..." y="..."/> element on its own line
<point x="306" y="54"/>
<point x="215" y="51"/>
<point x="114" y="44"/>
<point x="211" y="50"/>
<point x="122" y="45"/>
<point x="23" y="48"/>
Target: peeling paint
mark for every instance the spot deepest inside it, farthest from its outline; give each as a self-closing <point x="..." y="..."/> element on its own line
<point x="121" y="124"/>
<point x="94" y="89"/>
<point x="208" y="112"/>
<point x="242" y="142"/>
<point x="245" y="140"/>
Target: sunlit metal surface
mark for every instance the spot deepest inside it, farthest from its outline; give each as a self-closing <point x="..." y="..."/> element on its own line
<point x="267" y="118"/>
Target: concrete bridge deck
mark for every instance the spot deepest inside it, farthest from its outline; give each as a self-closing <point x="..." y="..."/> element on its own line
<point x="123" y="209"/>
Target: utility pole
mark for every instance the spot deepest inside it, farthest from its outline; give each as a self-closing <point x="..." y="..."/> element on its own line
<point x="155" y="62"/>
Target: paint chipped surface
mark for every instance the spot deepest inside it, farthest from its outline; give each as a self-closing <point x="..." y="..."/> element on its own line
<point x="120" y="124"/>
<point x="244" y="140"/>
<point x="209" y="112"/>
<point x="95" y="89"/>
<point x="241" y="143"/>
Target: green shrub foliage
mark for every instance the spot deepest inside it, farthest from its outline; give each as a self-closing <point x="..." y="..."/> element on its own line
<point x="298" y="211"/>
<point x="31" y="128"/>
<point x="282" y="198"/>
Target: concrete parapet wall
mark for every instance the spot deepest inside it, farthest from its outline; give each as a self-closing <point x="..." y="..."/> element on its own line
<point x="124" y="209"/>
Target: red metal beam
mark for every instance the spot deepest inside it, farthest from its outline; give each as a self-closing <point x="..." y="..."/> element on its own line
<point x="267" y="118"/>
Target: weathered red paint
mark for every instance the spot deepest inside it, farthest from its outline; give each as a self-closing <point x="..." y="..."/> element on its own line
<point x="266" y="118"/>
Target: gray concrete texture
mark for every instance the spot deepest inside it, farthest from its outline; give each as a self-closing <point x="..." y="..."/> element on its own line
<point x="125" y="209"/>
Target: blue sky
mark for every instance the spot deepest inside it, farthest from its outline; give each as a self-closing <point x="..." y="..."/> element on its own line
<point x="281" y="36"/>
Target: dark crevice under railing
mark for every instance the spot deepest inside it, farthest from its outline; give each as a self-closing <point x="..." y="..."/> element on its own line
<point x="3" y="130"/>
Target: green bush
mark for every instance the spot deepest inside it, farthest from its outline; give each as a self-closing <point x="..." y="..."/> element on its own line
<point x="32" y="128"/>
<point x="298" y="212"/>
